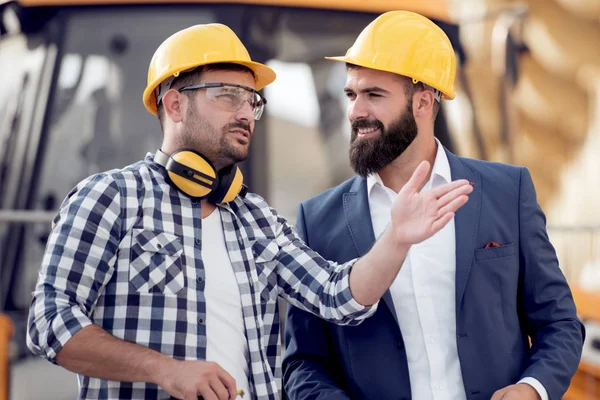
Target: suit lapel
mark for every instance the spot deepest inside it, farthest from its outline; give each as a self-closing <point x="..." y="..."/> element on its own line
<point x="466" y="223"/>
<point x="358" y="218"/>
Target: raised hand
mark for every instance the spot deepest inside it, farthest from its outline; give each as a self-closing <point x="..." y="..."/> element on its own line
<point x="417" y="215"/>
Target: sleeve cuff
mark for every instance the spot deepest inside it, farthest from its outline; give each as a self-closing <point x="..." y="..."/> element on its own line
<point x="364" y="311"/>
<point x="63" y="328"/>
<point x="537" y="386"/>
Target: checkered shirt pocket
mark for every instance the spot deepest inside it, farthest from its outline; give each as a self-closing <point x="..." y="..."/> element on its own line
<point x="156" y="262"/>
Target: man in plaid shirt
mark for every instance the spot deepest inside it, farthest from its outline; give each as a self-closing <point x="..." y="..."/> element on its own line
<point x="160" y="280"/>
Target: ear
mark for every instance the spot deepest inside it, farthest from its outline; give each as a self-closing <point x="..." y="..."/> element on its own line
<point x="423" y="102"/>
<point x="174" y="104"/>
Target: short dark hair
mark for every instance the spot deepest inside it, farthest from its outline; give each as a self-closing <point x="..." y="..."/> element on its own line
<point x="193" y="77"/>
<point x="410" y="88"/>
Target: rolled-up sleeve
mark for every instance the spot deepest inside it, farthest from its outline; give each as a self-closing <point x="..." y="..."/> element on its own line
<point x="78" y="262"/>
<point x="314" y="284"/>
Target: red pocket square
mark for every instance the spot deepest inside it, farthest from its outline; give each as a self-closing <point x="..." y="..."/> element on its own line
<point x="492" y="244"/>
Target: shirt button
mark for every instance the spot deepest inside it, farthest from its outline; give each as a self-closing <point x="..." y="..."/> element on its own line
<point x="194" y="202"/>
<point x="200" y="320"/>
<point x="431" y="339"/>
<point x="199" y="279"/>
<point x="198" y="241"/>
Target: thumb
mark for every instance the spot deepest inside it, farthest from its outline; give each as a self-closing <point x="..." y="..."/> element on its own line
<point x="417" y="180"/>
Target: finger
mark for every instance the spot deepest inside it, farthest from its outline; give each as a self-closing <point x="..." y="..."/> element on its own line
<point x="229" y="383"/>
<point x="453" y="205"/>
<point x="440" y="191"/>
<point x="206" y="393"/>
<point x="220" y="390"/>
<point x="498" y="395"/>
<point x="417" y="180"/>
<point x="454" y="194"/>
<point x="441" y="222"/>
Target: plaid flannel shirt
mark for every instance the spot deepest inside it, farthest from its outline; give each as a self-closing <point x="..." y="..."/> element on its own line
<point x="125" y="253"/>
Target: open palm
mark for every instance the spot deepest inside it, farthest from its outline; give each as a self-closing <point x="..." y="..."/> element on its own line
<point x="418" y="215"/>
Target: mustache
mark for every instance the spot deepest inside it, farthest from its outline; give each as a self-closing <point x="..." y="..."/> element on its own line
<point x="239" y="125"/>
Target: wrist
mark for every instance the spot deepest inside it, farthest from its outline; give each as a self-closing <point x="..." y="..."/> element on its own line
<point x="532" y="392"/>
<point x="158" y="367"/>
<point x="393" y="244"/>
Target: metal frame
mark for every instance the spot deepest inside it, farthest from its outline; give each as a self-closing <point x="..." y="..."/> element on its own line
<point x="436" y="9"/>
<point x="22" y="178"/>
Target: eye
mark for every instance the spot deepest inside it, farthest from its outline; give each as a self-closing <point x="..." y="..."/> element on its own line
<point x="374" y="95"/>
<point x="228" y="96"/>
<point x="350" y="95"/>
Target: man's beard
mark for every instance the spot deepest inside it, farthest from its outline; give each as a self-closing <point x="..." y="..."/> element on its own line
<point x="200" y="135"/>
<point x="370" y="155"/>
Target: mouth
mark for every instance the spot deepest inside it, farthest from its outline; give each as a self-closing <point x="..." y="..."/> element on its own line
<point x="366" y="132"/>
<point x="242" y="133"/>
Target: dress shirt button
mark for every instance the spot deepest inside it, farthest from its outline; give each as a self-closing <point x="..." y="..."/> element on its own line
<point x="194" y="202"/>
<point x="431" y="339"/>
<point x="200" y="320"/>
<point x="198" y="241"/>
<point x="199" y="279"/>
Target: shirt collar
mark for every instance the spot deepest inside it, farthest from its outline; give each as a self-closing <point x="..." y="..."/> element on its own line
<point x="439" y="175"/>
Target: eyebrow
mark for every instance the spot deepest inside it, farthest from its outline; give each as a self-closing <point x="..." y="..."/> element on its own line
<point x="371" y="89"/>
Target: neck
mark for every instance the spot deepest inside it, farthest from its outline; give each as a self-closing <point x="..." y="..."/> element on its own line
<point x="398" y="172"/>
<point x="207" y="208"/>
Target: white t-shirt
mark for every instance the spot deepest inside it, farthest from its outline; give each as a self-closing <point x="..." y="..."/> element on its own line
<point x="225" y="334"/>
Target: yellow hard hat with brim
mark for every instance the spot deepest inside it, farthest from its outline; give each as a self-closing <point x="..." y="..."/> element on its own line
<point x="408" y="44"/>
<point x="194" y="47"/>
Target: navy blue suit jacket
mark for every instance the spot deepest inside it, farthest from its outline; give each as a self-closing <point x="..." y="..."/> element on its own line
<point x="504" y="295"/>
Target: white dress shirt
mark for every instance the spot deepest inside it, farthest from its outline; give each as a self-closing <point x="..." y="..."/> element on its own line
<point x="424" y="298"/>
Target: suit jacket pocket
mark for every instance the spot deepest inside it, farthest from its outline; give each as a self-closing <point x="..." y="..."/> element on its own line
<point x="495" y="252"/>
<point x="156" y="262"/>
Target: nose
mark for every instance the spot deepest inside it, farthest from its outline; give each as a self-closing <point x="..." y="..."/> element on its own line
<point x="246" y="112"/>
<point x="358" y="109"/>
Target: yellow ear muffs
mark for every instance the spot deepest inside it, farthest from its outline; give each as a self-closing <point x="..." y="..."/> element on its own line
<point x="230" y="185"/>
<point x="190" y="172"/>
<point x="193" y="174"/>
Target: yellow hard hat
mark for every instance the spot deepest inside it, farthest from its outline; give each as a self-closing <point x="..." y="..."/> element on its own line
<point x="196" y="46"/>
<point x="406" y="43"/>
